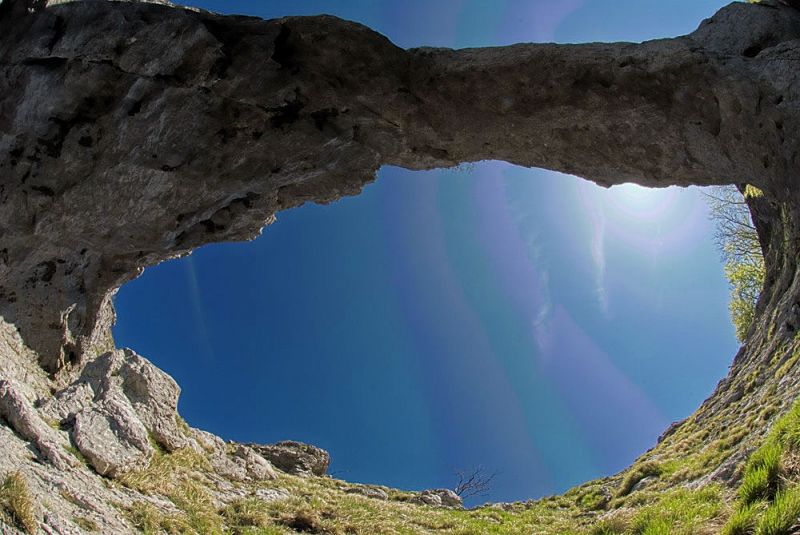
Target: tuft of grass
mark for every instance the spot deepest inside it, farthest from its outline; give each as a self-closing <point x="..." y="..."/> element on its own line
<point x="755" y="486"/>
<point x="752" y="192"/>
<point x="86" y="524"/>
<point x="782" y="515"/>
<point x="183" y="425"/>
<point x="165" y="470"/>
<point x="679" y="512"/>
<point x="304" y="520"/>
<point x="742" y="521"/>
<point x="636" y="474"/>
<point x="593" y="499"/>
<point x="199" y="508"/>
<point x="150" y="521"/>
<point x="610" y="526"/>
<point x="245" y="513"/>
<point x="762" y="475"/>
<point x="75" y="452"/>
<point x="16" y="500"/>
<point x="787" y="429"/>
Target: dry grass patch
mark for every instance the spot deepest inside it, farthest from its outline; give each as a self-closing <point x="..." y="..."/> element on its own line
<point x="17" y="503"/>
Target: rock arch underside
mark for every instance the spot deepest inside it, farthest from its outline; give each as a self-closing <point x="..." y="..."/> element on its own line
<point x="132" y="133"/>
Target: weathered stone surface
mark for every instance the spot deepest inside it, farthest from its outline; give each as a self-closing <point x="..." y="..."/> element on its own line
<point x="440" y="498"/>
<point x="121" y="146"/>
<point x="128" y="379"/>
<point x="112" y="438"/>
<point x="295" y="457"/>
<point x="118" y="402"/>
<point x="154" y="397"/>
<point x="19" y="412"/>
<point x="256" y="466"/>
<point x="369" y="492"/>
<point x="272" y="495"/>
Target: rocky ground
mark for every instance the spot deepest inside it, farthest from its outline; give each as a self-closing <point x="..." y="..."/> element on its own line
<point x="108" y="453"/>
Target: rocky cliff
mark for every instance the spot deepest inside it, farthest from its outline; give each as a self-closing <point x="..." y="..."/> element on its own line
<point x="131" y="133"/>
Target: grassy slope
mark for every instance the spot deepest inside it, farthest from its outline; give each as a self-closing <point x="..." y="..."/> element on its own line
<point x="668" y="490"/>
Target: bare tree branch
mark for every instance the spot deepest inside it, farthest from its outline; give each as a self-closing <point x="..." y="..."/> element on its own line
<point x="476" y="482"/>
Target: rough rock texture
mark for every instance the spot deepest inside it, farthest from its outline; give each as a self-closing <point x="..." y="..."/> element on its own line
<point x="17" y="410"/>
<point x="119" y="401"/>
<point x="295" y="457"/>
<point x="131" y="133"/>
<point x="440" y="498"/>
<point x="110" y="421"/>
<point x="369" y="491"/>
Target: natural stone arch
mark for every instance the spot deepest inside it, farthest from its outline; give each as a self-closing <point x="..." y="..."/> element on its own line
<point x="133" y="133"/>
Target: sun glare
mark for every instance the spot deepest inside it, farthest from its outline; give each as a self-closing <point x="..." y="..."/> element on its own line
<point x="640" y="203"/>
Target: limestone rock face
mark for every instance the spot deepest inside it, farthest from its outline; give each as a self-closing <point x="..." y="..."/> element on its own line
<point x="119" y="401"/>
<point x="295" y="457"/>
<point x="370" y="492"/>
<point x="256" y="466"/>
<point x="112" y="438"/>
<point x="131" y="133"/>
<point x="440" y="498"/>
<point x="16" y="409"/>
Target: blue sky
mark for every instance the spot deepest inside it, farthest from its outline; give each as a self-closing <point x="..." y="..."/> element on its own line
<point x="517" y="319"/>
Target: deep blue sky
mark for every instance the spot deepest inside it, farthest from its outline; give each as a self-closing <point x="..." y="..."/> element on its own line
<point x="521" y="320"/>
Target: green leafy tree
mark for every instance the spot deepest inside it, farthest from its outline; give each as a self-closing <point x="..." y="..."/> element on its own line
<point x="737" y="240"/>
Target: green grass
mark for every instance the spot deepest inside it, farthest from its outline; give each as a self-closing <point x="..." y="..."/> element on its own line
<point x="762" y="475"/>
<point x="742" y="521"/>
<point x="593" y="499"/>
<point x="756" y="485"/>
<point x="17" y="503"/>
<point x="322" y="505"/>
<point x="75" y="452"/>
<point x="636" y="474"/>
<point x="614" y="526"/>
<point x="150" y="521"/>
<point x="782" y="515"/>
<point x="245" y="514"/>
<point x="769" y="494"/>
<point x="680" y="512"/>
<point x="198" y="506"/>
<point x="165" y="471"/>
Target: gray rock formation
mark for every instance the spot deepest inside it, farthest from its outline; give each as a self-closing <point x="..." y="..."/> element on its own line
<point x="108" y="421"/>
<point x="439" y="498"/>
<point x="17" y="410"/>
<point x="375" y="493"/>
<point x="295" y="457"/>
<point x="131" y="133"/>
<point x="119" y="401"/>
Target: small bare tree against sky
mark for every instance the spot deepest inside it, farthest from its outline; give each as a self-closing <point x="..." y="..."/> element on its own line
<point x="476" y="482"/>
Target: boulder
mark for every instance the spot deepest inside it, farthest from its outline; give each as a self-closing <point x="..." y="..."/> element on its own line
<point x="112" y="439"/>
<point x="118" y="403"/>
<point x="445" y="498"/>
<point x="295" y="457"/>
<point x="154" y="396"/>
<point x="255" y="465"/>
<point x="369" y="492"/>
